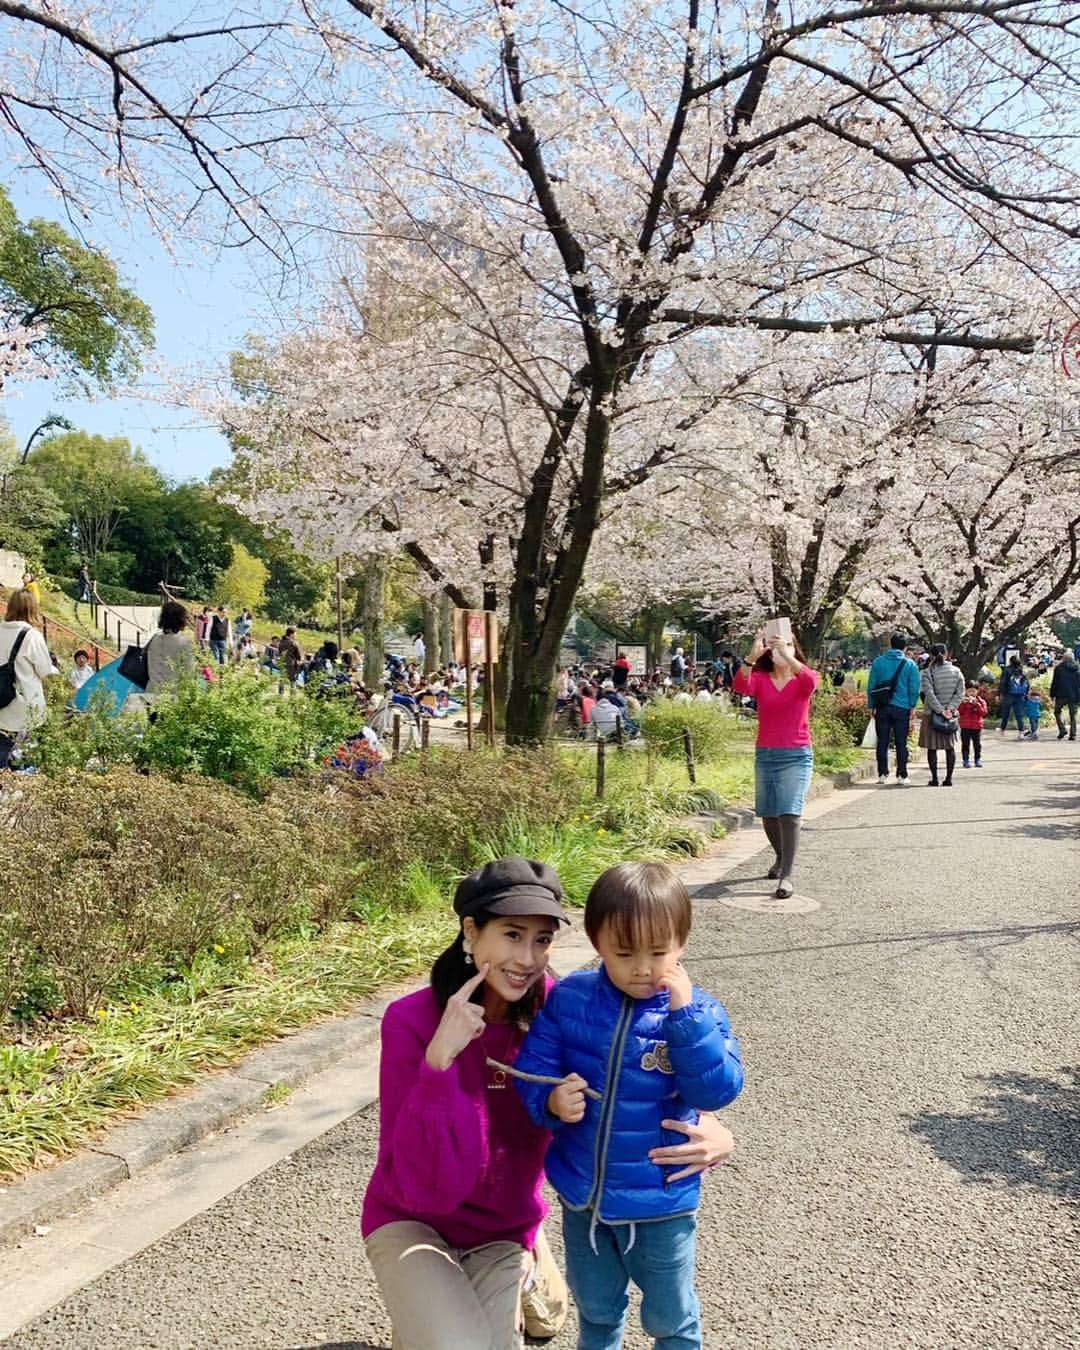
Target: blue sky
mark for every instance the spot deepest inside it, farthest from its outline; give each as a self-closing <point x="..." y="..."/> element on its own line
<point x="202" y="308"/>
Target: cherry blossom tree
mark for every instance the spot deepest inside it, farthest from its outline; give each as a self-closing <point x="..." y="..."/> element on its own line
<point x="605" y="201"/>
<point x="991" y="543"/>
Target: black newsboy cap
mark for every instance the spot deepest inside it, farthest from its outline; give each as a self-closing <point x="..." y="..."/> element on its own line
<point x="511" y="885"/>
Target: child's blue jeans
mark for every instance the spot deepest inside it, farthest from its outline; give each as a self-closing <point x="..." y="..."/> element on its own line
<point x="658" y="1256"/>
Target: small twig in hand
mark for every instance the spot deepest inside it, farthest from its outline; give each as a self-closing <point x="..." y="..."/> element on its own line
<point x="537" y="1077"/>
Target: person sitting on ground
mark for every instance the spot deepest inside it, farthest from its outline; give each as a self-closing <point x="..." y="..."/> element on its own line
<point x="972" y="711"/>
<point x="703" y="695"/>
<point x="606" y="714"/>
<point x="81" y="670"/>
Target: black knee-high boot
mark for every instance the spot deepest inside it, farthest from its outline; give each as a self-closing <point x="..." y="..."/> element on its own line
<point x="789" y="839"/>
<point x="931" y="759"/>
<point x="771" y="826"/>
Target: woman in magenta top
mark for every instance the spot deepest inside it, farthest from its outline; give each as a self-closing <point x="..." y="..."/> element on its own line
<point x="782" y="685"/>
<point x="452" y="1213"/>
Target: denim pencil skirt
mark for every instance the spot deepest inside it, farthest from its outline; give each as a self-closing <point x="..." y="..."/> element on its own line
<point x="781" y="776"/>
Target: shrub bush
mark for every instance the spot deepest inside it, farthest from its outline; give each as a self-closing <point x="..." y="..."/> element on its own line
<point x="136" y="874"/>
<point x="241" y="730"/>
<point x="434" y="808"/>
<point x="111" y="595"/>
<point x="840" y="719"/>
<point x="126" y="871"/>
<point x="663" y="720"/>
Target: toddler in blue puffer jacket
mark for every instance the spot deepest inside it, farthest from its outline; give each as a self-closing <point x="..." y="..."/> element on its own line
<point x="638" y="1049"/>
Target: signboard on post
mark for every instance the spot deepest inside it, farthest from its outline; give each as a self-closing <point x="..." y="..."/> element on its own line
<point x="637" y="656"/>
<point x="476" y="643"/>
<point x="476" y="633"/>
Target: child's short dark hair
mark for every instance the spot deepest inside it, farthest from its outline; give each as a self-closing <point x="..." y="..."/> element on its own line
<point x="642" y="901"/>
<point x="971" y="684"/>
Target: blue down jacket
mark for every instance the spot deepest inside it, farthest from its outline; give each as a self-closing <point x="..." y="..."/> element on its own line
<point x="649" y="1063"/>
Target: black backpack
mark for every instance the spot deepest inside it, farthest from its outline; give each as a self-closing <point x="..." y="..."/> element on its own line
<point x="8" y="687"/>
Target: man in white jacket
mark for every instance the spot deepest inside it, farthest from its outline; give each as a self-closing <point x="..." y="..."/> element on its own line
<point x="31" y="665"/>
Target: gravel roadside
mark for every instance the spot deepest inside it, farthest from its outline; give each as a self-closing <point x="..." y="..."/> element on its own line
<point x="908" y="1139"/>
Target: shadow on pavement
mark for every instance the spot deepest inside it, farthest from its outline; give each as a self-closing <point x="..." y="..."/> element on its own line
<point x="343" y="1345"/>
<point x="944" y="823"/>
<point x="1005" y="936"/>
<point x="1023" y="1131"/>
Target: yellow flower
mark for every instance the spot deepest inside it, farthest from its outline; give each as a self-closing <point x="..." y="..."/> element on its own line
<point x="100" y="1012"/>
<point x="601" y="830"/>
<point x="220" y="950"/>
<point x="134" y="1007"/>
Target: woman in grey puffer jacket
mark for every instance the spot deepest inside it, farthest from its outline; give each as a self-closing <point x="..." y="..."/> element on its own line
<point x="942" y="689"/>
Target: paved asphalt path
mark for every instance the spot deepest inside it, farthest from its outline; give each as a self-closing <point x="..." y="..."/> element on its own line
<point x="908" y="1138"/>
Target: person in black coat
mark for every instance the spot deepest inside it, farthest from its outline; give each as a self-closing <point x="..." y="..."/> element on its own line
<point x="1065" y="691"/>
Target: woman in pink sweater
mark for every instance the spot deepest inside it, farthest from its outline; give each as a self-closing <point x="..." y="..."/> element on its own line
<point x="452" y="1213"/>
<point x="782" y="685"/>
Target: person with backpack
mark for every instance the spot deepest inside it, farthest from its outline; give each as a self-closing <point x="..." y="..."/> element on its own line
<point x="892" y="691"/>
<point x="1065" y="691"/>
<point x="1013" y="689"/>
<point x="678" y="666"/>
<point x="24" y="663"/>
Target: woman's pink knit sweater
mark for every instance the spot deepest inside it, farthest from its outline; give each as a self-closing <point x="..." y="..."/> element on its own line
<point x="457" y="1150"/>
<point x="783" y="714"/>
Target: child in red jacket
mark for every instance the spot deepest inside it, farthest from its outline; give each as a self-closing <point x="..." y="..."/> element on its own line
<point x="972" y="712"/>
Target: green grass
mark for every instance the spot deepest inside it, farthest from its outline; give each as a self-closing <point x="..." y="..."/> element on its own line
<point x="56" y="1092"/>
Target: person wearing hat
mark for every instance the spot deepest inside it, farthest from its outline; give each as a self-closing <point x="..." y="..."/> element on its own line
<point x="452" y="1214"/>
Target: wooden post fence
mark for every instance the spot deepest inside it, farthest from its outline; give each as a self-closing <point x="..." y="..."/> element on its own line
<point x="688" y="750"/>
<point x="600" y="768"/>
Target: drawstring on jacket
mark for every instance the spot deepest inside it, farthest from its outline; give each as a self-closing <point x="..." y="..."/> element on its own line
<point x="592" y="1235"/>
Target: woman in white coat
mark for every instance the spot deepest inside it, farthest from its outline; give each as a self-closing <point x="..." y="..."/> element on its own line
<point x="32" y="663"/>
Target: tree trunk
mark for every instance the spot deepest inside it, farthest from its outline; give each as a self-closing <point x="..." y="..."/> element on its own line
<point x="446" y="643"/>
<point x="654" y="640"/>
<point x="545" y="583"/>
<point x="373" y="602"/>
<point x="430" y="609"/>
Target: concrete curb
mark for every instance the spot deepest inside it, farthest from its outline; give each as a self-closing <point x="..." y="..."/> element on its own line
<point x="129" y="1148"/>
<point x="738" y="817"/>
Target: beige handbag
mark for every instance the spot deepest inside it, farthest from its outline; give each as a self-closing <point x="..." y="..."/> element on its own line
<point x="545" y="1300"/>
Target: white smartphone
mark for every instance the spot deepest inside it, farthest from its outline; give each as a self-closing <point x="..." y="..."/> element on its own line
<point x="777" y="630"/>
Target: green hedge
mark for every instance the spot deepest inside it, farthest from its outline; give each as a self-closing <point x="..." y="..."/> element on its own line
<point x="111" y="595"/>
